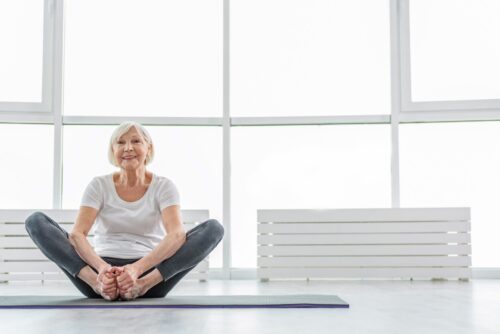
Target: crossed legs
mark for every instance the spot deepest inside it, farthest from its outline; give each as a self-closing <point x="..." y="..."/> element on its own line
<point x="53" y="242"/>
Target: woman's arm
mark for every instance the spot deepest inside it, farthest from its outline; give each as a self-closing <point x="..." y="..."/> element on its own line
<point x="78" y="238"/>
<point x="176" y="236"/>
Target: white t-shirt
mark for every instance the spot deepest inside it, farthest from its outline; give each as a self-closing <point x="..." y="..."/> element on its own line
<point x="128" y="230"/>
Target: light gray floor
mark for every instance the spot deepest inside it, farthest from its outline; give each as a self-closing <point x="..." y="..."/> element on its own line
<point x="376" y="307"/>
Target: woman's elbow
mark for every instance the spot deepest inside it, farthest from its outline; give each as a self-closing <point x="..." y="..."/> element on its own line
<point x="182" y="237"/>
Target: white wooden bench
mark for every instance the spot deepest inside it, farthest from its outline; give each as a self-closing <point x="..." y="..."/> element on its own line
<point x="20" y="259"/>
<point x="425" y="243"/>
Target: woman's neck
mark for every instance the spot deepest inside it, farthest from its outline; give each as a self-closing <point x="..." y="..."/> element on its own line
<point x="133" y="178"/>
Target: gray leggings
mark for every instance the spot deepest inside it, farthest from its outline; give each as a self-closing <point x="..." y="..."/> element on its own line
<point x="53" y="242"/>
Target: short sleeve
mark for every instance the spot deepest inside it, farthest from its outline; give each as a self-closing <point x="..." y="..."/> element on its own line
<point x="92" y="196"/>
<point x="167" y="194"/>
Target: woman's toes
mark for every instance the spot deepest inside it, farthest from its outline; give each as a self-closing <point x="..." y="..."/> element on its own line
<point x="114" y="295"/>
<point x="111" y="296"/>
<point x="135" y="291"/>
<point x="129" y="295"/>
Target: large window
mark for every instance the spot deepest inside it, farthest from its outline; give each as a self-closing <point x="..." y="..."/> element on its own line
<point x="304" y="167"/>
<point x="21" y="58"/>
<point x="142" y="57"/>
<point x="26" y="167"/>
<point x="285" y="103"/>
<point x="454" y="55"/>
<point x="456" y="164"/>
<point x="306" y="58"/>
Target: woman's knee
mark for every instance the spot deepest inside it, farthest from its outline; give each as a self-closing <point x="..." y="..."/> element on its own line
<point x="214" y="228"/>
<point x="34" y="221"/>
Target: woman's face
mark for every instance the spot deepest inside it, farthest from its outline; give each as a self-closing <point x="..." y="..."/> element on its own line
<point x="130" y="150"/>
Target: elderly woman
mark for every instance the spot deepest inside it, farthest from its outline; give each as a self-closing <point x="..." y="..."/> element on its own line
<point x="132" y="256"/>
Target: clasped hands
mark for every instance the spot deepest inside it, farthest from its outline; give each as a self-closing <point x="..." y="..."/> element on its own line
<point x="117" y="282"/>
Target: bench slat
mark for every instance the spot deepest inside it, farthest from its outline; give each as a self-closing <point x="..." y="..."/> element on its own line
<point x="22" y="242"/>
<point x="365" y="261"/>
<point x="464" y="273"/>
<point x="360" y="215"/>
<point x="19" y="228"/>
<point x="346" y="239"/>
<point x="66" y="215"/>
<point x="21" y="254"/>
<point x="346" y="250"/>
<point x="21" y="215"/>
<point x="376" y="227"/>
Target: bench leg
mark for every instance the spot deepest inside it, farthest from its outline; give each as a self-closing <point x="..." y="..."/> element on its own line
<point x="437" y="279"/>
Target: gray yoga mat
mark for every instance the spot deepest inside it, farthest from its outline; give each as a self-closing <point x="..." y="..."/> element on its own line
<point x="234" y="301"/>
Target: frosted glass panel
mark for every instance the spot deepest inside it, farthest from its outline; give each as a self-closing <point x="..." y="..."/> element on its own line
<point x="304" y="57"/>
<point x="456" y="164"/>
<point x="143" y="57"/>
<point x="190" y="156"/>
<point x="454" y="49"/>
<point x="26" y="171"/>
<point x="304" y="167"/>
<point x="21" y="38"/>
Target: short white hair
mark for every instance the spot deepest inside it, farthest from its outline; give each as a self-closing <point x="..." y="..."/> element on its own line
<point x="120" y="131"/>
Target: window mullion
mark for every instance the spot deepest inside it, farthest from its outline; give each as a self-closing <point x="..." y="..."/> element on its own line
<point x="56" y="90"/>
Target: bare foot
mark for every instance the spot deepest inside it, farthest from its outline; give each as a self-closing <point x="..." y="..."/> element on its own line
<point x="107" y="289"/>
<point x="108" y="296"/>
<point x="137" y="290"/>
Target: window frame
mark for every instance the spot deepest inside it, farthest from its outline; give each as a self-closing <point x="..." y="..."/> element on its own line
<point x="45" y="106"/>
<point x="450" y="108"/>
